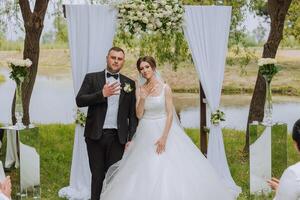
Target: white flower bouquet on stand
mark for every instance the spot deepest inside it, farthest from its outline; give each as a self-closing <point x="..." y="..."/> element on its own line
<point x="19" y="71"/>
<point x="268" y="69"/>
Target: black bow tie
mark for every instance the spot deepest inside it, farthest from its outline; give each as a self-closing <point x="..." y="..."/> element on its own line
<point x="116" y="76"/>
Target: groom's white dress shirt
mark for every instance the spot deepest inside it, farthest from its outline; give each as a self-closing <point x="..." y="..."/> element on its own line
<point x="111" y="118"/>
<point x="289" y="185"/>
<point x="3" y="197"/>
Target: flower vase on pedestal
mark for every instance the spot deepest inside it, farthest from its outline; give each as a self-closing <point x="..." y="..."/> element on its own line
<point x="19" y="107"/>
<point x="268" y="103"/>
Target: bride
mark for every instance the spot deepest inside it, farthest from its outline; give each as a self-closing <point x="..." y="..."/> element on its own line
<point x="161" y="163"/>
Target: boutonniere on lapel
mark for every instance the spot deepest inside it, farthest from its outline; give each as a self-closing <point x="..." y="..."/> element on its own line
<point x="127" y="88"/>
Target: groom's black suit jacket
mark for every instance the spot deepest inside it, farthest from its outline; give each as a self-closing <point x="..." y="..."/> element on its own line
<point x="90" y="94"/>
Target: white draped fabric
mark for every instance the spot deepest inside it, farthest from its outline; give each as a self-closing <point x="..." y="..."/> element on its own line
<point x="29" y="162"/>
<point x="2" y="173"/>
<point x="260" y="163"/>
<point x="91" y="30"/>
<point x="207" y="29"/>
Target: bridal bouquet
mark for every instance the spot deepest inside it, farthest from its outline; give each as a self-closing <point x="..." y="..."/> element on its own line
<point x="217" y="117"/>
<point x="80" y="118"/>
<point x="140" y="16"/>
<point x="19" y="69"/>
<point x="267" y="68"/>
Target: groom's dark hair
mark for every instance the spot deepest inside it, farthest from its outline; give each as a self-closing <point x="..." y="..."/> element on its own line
<point x="118" y="49"/>
<point x="296" y="133"/>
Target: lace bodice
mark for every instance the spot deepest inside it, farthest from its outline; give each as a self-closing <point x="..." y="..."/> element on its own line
<point x="155" y="106"/>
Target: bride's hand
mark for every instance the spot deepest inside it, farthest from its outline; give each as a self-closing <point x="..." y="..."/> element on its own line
<point x="161" y="145"/>
<point x="143" y="93"/>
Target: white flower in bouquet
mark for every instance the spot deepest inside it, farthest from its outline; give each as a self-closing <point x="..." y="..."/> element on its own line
<point x="163" y="2"/>
<point x="147" y="14"/>
<point x="122" y="11"/>
<point x="158" y="23"/>
<point x="28" y="62"/>
<point x="142" y="7"/>
<point x="133" y="6"/>
<point x="19" y="63"/>
<point x="266" y="61"/>
<point x="145" y="20"/>
<point x="18" y="69"/>
<point x="160" y="15"/>
<point x="168" y="7"/>
<point x="139" y="14"/>
<point x="175" y="8"/>
<point x="150" y="27"/>
<point x="155" y="5"/>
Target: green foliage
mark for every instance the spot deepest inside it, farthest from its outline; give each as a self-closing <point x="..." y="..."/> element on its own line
<point x="18" y="73"/>
<point x="61" y="31"/>
<point x="171" y="48"/>
<point x="292" y="23"/>
<point x="269" y="71"/>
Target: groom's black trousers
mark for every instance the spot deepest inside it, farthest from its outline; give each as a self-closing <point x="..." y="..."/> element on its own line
<point x="102" y="154"/>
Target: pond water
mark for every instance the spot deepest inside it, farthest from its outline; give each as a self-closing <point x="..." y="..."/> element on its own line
<point x="53" y="102"/>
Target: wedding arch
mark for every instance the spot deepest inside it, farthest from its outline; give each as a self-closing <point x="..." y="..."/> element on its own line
<point x="91" y="29"/>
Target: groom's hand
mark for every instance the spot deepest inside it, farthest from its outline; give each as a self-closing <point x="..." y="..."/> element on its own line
<point x="111" y="89"/>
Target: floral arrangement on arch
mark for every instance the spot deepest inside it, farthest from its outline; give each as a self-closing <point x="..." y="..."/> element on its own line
<point x="80" y="118"/>
<point x="217" y="117"/>
<point x="151" y="16"/>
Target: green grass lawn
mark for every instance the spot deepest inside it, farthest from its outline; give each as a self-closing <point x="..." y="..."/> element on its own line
<point x="56" y="155"/>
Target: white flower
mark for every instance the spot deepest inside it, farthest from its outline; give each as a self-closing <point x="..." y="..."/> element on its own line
<point x="127" y="88"/>
<point x="150" y="26"/>
<point x="169" y="24"/>
<point x="147" y="14"/>
<point x="122" y="10"/>
<point x="28" y="62"/>
<point x="145" y="20"/>
<point x="142" y="7"/>
<point x="163" y="2"/>
<point x="139" y="14"/>
<point x="266" y="61"/>
<point x="19" y="62"/>
<point x="158" y="23"/>
<point x="168" y="7"/>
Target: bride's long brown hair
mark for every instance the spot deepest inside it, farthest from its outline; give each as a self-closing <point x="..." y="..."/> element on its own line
<point x="148" y="59"/>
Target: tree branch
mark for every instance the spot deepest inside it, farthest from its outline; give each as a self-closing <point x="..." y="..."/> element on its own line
<point x="40" y="8"/>
<point x="25" y="9"/>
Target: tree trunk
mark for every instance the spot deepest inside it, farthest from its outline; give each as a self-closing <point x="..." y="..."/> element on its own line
<point x="33" y="24"/>
<point x="277" y="10"/>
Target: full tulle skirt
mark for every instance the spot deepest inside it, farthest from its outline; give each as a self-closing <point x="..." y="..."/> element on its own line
<point x="180" y="173"/>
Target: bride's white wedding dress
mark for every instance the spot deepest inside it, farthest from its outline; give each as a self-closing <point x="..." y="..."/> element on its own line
<point x="179" y="173"/>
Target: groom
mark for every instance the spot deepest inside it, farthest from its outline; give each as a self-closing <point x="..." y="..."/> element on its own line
<point x="111" y="119"/>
